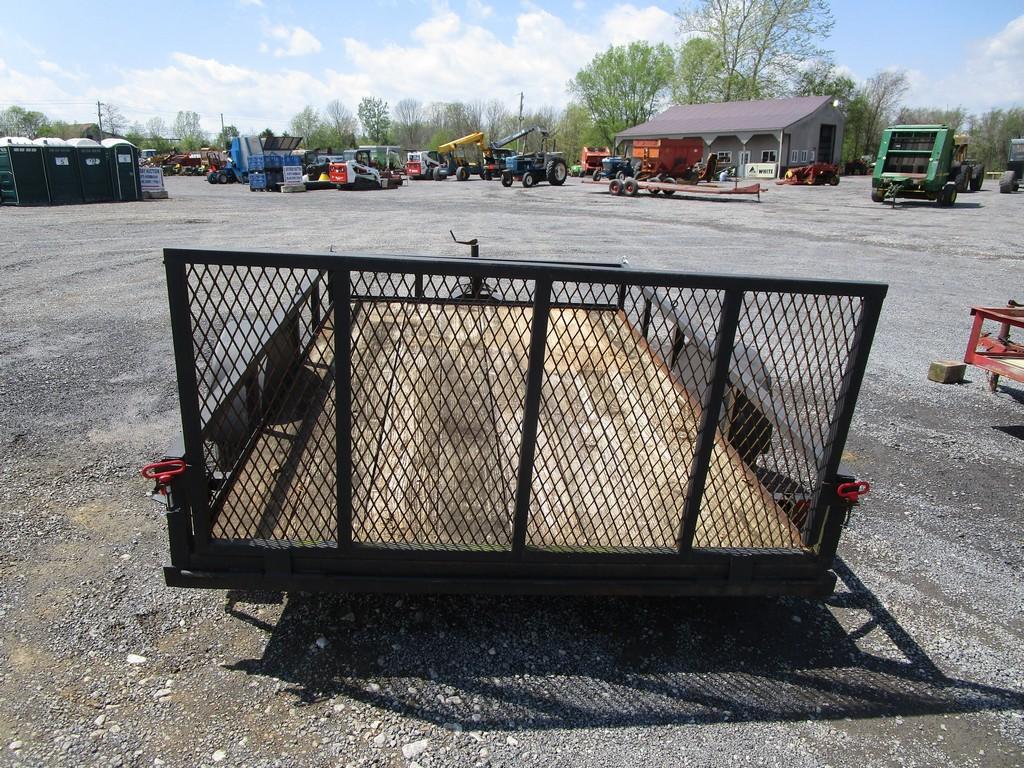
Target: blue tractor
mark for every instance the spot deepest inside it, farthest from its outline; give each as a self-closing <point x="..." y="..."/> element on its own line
<point x="615" y="167"/>
<point x="532" y="167"/>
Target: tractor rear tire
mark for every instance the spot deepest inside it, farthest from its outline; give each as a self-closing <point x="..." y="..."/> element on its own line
<point x="631" y="187"/>
<point x="615" y="187"/>
<point x="978" y="178"/>
<point x="506" y="179"/>
<point x="878" y="195"/>
<point x="556" y="172"/>
<point x="462" y="174"/>
<point x="529" y="179"/>
<point x="1006" y="185"/>
<point x="961" y="176"/>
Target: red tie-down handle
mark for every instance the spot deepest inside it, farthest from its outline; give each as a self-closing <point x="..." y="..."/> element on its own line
<point x="162" y="472"/>
<point x="853" y="490"/>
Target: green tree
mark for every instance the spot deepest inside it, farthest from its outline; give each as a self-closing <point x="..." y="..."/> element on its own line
<point x="17" y="121"/>
<point x="228" y="132"/>
<point x="881" y="96"/>
<point x="306" y="124"/>
<point x="375" y="119"/>
<point x="760" y="42"/>
<point x="188" y="131"/>
<point x="700" y="73"/>
<point x="991" y="133"/>
<point x="624" y="86"/>
<point x="266" y="133"/>
<point x="410" y="124"/>
<point x="822" y="79"/>
<point x="576" y="130"/>
<point x="955" y="118"/>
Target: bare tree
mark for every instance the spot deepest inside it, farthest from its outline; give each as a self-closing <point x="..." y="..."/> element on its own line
<point x="156" y="128"/>
<point x="113" y="120"/>
<point x="411" y="129"/>
<point x="882" y="94"/>
<point x="498" y="120"/>
<point x="341" y="122"/>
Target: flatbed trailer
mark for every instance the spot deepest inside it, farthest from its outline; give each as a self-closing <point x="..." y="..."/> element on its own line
<point x="410" y="424"/>
<point x="997" y="354"/>
<point x="632" y="187"/>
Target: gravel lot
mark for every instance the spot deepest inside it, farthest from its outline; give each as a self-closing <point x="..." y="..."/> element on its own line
<point x="918" y="661"/>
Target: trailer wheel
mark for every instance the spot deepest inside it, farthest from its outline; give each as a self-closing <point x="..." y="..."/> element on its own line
<point x="506" y="179"/>
<point x="1006" y="182"/>
<point x="615" y="187"/>
<point x="631" y="187"/>
<point x="529" y="180"/>
<point x="654" y="192"/>
<point x="978" y="178"/>
<point x="668" y="192"/>
<point x="878" y="195"/>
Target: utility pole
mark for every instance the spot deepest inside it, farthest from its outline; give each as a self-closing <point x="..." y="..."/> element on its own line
<point x="518" y="148"/>
<point x="99" y="118"/>
<point x="221" y="123"/>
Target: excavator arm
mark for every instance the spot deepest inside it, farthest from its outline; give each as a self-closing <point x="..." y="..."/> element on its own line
<point x="518" y="135"/>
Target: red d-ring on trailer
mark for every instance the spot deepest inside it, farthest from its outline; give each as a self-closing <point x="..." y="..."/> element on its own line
<point x="163" y="471"/>
<point x="852" y="491"/>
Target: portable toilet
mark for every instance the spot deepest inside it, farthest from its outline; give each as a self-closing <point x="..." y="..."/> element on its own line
<point x="60" y="160"/>
<point x="123" y="157"/>
<point x="94" y="169"/>
<point x="22" y="178"/>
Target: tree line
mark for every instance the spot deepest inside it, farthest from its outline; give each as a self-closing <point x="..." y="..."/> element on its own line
<point x="729" y="50"/>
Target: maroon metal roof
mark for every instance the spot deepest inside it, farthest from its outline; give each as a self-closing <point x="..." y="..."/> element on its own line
<point x="727" y="117"/>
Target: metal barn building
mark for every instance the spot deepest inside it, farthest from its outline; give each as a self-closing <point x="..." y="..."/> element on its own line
<point x="753" y="135"/>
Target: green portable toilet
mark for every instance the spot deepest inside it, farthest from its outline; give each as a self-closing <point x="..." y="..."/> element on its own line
<point x="94" y="170"/>
<point x="60" y="160"/>
<point x="123" y="157"/>
<point x="22" y="178"/>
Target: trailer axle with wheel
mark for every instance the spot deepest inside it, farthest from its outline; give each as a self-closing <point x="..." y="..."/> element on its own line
<point x="632" y="187"/>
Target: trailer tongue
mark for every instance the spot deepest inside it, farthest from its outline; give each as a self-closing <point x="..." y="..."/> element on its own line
<point x="470" y="425"/>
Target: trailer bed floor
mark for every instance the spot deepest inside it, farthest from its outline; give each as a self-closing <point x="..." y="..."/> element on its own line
<point x="438" y="397"/>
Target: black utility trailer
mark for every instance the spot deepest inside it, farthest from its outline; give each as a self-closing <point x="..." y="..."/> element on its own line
<point x="409" y="424"/>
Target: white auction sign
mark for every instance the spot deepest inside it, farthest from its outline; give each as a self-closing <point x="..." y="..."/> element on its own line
<point x="759" y="170"/>
<point x="292" y="174"/>
<point x="151" y="178"/>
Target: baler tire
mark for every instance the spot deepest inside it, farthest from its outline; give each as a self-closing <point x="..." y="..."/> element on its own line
<point x="877" y="195"/>
<point x="978" y="178"/>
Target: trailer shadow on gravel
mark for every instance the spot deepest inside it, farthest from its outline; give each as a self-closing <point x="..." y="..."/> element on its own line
<point x="489" y="663"/>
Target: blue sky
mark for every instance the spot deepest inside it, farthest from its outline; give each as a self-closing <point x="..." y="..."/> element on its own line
<point x="260" y="61"/>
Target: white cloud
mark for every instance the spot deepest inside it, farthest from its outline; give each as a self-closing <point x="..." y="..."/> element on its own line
<point x="539" y="58"/>
<point x="255" y="3"/>
<point x="479" y="10"/>
<point x="296" y="41"/>
<point x="579" y="5"/>
<point x="990" y="75"/>
<point x="626" y="23"/>
<point x="53" y="68"/>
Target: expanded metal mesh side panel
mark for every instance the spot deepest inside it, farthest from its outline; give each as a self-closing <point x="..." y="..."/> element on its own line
<point x="437" y="407"/>
<point x="260" y="368"/>
<point x="785" y="376"/>
<point x="616" y="434"/>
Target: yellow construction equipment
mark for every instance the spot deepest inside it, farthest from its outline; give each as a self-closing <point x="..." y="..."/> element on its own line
<point x="455" y="162"/>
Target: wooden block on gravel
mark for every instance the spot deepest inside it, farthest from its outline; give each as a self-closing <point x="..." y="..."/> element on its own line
<point x="293" y="187"/>
<point x="947" y="371"/>
<point x="154" y="194"/>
